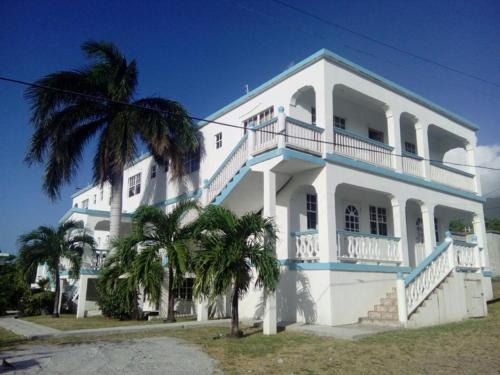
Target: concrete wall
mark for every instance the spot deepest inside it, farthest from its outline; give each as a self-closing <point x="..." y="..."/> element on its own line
<point x="493" y="239"/>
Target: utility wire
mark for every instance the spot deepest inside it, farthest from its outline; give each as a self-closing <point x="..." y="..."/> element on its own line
<point x="137" y="106"/>
<point x="385" y="44"/>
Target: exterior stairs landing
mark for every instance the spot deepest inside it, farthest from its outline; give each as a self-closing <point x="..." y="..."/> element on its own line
<point x="385" y="313"/>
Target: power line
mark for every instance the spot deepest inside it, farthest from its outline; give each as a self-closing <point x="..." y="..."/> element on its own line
<point x="385" y="44"/>
<point x="137" y="106"/>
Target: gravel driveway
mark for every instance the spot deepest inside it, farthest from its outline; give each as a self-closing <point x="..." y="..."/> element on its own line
<point x="163" y="355"/>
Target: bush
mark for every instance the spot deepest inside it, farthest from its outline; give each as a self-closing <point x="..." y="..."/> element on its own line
<point x="115" y="302"/>
<point x="39" y="303"/>
<point x="12" y="288"/>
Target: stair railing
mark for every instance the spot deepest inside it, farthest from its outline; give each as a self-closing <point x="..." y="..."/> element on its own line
<point x="413" y="289"/>
<point x="232" y="164"/>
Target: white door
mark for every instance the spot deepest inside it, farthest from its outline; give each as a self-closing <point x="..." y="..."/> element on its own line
<point x="474" y="298"/>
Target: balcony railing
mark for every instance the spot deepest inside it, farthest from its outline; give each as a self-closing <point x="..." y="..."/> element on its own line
<point x="364" y="247"/>
<point x="452" y="177"/>
<point x="413" y="164"/>
<point x="358" y="147"/>
<point x="467" y="255"/>
<point x="306" y="245"/>
<point x="266" y="135"/>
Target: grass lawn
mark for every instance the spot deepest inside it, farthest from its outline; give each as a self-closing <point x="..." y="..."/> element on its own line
<point x="8" y="338"/>
<point x="68" y="322"/>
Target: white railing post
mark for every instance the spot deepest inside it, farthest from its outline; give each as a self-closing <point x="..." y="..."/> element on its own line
<point x="251" y="140"/>
<point x="401" y="294"/>
<point x="451" y="250"/>
<point x="281" y="127"/>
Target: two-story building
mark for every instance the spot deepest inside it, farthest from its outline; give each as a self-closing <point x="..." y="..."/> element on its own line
<point x="350" y="165"/>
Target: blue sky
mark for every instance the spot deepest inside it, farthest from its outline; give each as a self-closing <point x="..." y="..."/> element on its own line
<point x="203" y="53"/>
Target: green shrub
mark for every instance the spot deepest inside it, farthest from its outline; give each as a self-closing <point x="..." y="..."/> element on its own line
<point x="39" y="303"/>
<point x="115" y="302"/>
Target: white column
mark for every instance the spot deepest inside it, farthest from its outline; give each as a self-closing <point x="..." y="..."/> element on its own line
<point x="399" y="222"/>
<point x="164" y="296"/>
<point x="429" y="231"/>
<point x="479" y="225"/>
<point x="401" y="294"/>
<point x="324" y="106"/>
<point x="327" y="223"/>
<point x="394" y="138"/>
<point x="281" y="127"/>
<point x="470" y="149"/>
<point x="82" y="296"/>
<point x="270" y="314"/>
<point x="423" y="147"/>
<point x="202" y="309"/>
<point x="61" y="283"/>
<point x="251" y="140"/>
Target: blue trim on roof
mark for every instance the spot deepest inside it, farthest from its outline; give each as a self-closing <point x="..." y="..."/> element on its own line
<point x="349" y="65"/>
<point x="366" y="167"/>
<point x="349" y="267"/>
<point x="100" y="213"/>
<point x="82" y="190"/>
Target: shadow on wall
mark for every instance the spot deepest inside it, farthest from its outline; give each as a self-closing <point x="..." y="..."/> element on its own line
<point x="294" y="302"/>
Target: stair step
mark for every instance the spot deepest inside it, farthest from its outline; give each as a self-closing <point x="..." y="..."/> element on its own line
<point x="376" y="322"/>
<point x="389" y="301"/>
<point x="386" y="308"/>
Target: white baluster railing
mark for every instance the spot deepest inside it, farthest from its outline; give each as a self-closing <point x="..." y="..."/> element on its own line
<point x="358" y="147"/>
<point x="467" y="255"/>
<point x="303" y="136"/>
<point x="413" y="165"/>
<point x="235" y="160"/>
<point x="266" y="135"/>
<point x="306" y="245"/>
<point x="451" y="177"/>
<point x="364" y="247"/>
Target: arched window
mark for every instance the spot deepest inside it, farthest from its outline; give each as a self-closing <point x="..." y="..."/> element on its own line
<point x="420" y="231"/>
<point x="351" y="219"/>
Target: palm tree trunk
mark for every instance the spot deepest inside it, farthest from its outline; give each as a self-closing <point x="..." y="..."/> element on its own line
<point x="116" y="206"/>
<point x="171" y="296"/>
<point x="55" y="312"/>
<point x="235" y="317"/>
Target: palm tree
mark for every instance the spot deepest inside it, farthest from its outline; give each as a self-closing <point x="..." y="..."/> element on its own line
<point x="65" y="122"/>
<point x="159" y="233"/>
<point x="50" y="245"/>
<point x="231" y="247"/>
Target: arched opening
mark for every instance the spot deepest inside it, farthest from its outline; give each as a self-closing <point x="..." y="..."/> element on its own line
<point x="442" y="141"/>
<point x="303" y="105"/>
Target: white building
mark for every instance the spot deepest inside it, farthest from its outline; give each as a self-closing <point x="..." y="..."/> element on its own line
<point x="341" y="158"/>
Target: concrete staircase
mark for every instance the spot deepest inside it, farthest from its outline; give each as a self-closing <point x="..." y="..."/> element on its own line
<point x="385" y="313"/>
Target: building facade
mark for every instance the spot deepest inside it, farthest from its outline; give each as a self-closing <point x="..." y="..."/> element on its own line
<point x="350" y="166"/>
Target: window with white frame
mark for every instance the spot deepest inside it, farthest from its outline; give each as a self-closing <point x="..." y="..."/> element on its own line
<point x="185" y="290"/>
<point x="259" y="118"/>
<point x="134" y="185"/>
<point x="313" y="115"/>
<point x="218" y="140"/>
<point x="410" y="148"/>
<point x="378" y="220"/>
<point x="339" y="122"/>
<point x="351" y="219"/>
<point x="376" y="135"/>
<point x="436" y="229"/>
<point x="312" y="211"/>
<point x="153" y="171"/>
<point x="85" y="204"/>
<point x="192" y="162"/>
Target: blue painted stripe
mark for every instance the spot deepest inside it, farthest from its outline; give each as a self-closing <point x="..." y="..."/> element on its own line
<point x="294" y="154"/>
<point x="265" y="123"/>
<point x="231" y="185"/>
<point x="305" y="124"/>
<point x="304" y="232"/>
<point x="82" y="190"/>
<point x="363" y="138"/>
<point x="487" y="274"/>
<point x="367" y="167"/>
<point x="226" y="160"/>
<point x="407" y="154"/>
<point x="188" y="195"/>
<point x="349" y="267"/>
<point x="428" y="260"/>
<point x="451" y="169"/>
<point x="345" y="63"/>
<point x="464" y="243"/>
<point x="359" y="234"/>
<point x="90" y="212"/>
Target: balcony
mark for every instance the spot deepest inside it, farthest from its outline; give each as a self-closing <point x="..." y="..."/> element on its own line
<point x="364" y="247"/>
<point x="456" y="178"/>
<point x="306" y="245"/>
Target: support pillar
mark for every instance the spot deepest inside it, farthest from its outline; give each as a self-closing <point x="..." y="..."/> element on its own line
<point x="82" y="296"/>
<point x="478" y="223"/>
<point x="202" y="310"/>
<point x="423" y="148"/>
<point x="270" y="312"/>
<point x="61" y="290"/>
<point x="399" y="222"/>
<point x="471" y="161"/>
<point x="429" y="231"/>
<point x="394" y="138"/>
<point x="281" y="127"/>
<point x="327" y="221"/>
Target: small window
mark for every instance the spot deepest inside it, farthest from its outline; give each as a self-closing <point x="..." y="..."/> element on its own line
<point x="75" y="205"/>
<point x="378" y="220"/>
<point x="153" y="171"/>
<point x="411" y="148"/>
<point x="376" y="135"/>
<point x="134" y="185"/>
<point x="85" y="204"/>
<point x="94" y="200"/>
<point x="339" y="122"/>
<point x="192" y="162"/>
<point x="101" y="194"/>
<point x="312" y="211"/>
<point x="351" y="219"/>
<point x="313" y="115"/>
<point x="218" y="140"/>
<point x="185" y="290"/>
